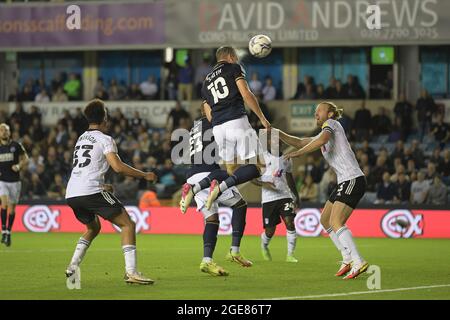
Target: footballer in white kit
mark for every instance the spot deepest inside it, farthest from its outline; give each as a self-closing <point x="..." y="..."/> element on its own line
<point x="279" y="200"/>
<point x="89" y="197"/>
<point x="350" y="188"/>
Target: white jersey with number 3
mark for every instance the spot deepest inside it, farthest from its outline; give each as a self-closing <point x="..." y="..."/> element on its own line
<point x="339" y="154"/>
<point x="90" y="164"/>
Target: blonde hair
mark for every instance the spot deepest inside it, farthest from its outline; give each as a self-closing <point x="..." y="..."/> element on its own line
<point x="224" y="51"/>
<point x="337" y="112"/>
<point x="4" y="125"/>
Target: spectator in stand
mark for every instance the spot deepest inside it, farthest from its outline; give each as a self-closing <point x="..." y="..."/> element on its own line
<point x="268" y="91"/>
<point x="353" y="89"/>
<point x="149" y="88"/>
<point x="175" y="115"/>
<point x="396" y="131"/>
<point x="309" y="190"/>
<point x="417" y="153"/>
<point x="42" y="96"/>
<point x="172" y="79"/>
<point x="362" y="123"/>
<point x="57" y="190"/>
<point x="364" y="160"/>
<point x="155" y="143"/>
<point x="385" y="190"/>
<point x="59" y="95"/>
<point x="399" y="170"/>
<point x="148" y="200"/>
<point x="444" y="168"/>
<point x="73" y="87"/>
<point x="320" y="94"/>
<point x="419" y="189"/>
<point x="116" y="91"/>
<point x="441" y="131"/>
<point x="399" y="150"/>
<point x="365" y="147"/>
<point x="201" y="72"/>
<point x="436" y="157"/>
<point x="127" y="189"/>
<point x="402" y="189"/>
<point x="380" y="167"/>
<point x="26" y="94"/>
<point x="301" y="87"/>
<point x="35" y="160"/>
<point x="312" y="169"/>
<point x="80" y="123"/>
<point x="371" y="183"/>
<point x="134" y="93"/>
<point x="328" y="178"/>
<point x="99" y="86"/>
<point x="102" y="94"/>
<point x="431" y="172"/>
<point x="185" y="80"/>
<point x="57" y="82"/>
<point x="381" y="124"/>
<point x="403" y="110"/>
<point x="19" y="115"/>
<point x="425" y="108"/>
<point x="346" y="123"/>
<point x="340" y="91"/>
<point x="330" y="92"/>
<point x="255" y="85"/>
<point x="35" y="189"/>
<point x="437" y="194"/>
<point x="309" y="93"/>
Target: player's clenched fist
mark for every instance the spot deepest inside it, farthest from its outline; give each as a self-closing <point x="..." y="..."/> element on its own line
<point x="150" y="176"/>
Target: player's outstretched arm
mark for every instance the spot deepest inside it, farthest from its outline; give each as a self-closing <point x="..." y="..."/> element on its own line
<point x="23" y="161"/>
<point x="292" y="140"/>
<point x="122" y="168"/>
<point x="311" y="146"/>
<point x="251" y="101"/>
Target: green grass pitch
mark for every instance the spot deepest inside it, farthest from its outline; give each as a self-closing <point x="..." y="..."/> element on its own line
<point x="33" y="268"/>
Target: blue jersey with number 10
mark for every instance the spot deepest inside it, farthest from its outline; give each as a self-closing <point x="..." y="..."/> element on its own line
<point x="220" y="91"/>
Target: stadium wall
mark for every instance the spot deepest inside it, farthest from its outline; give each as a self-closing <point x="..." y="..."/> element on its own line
<point x="393" y="222"/>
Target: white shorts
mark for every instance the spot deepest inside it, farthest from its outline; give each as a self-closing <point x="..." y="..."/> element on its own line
<point x="237" y="139"/>
<point x="228" y="198"/>
<point x="11" y="190"/>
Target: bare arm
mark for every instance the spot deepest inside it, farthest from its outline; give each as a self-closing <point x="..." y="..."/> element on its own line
<point x="251" y="101"/>
<point x="291" y="183"/>
<point x="23" y="161"/>
<point x="208" y="111"/>
<point x="292" y="140"/>
<point x="311" y="146"/>
<point x="122" y="168"/>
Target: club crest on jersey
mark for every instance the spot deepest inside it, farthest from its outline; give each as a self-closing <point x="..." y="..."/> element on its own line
<point x="12" y="149"/>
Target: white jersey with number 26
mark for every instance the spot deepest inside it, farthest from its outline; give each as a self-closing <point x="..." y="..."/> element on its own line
<point x="89" y="163"/>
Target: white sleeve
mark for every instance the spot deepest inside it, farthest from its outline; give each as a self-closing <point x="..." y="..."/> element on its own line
<point x="109" y="145"/>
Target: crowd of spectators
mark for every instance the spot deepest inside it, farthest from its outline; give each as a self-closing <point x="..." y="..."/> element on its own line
<point x="50" y="150"/>
<point x="406" y="174"/>
<point x="308" y="89"/>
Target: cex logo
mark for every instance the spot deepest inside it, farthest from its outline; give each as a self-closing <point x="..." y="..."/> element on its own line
<point x="40" y="219"/>
<point x="139" y="217"/>
<point x="402" y="223"/>
<point x="307" y="222"/>
<point x="225" y="216"/>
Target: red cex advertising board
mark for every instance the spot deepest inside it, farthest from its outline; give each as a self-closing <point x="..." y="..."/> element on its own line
<point x="379" y="223"/>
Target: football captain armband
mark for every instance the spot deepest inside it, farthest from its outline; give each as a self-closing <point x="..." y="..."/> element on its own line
<point x="326" y="127"/>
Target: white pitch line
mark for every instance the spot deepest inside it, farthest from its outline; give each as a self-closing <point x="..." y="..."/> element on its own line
<point x="358" y="292"/>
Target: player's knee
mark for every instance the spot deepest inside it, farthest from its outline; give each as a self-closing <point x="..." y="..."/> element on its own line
<point x="289" y="221"/>
<point x="270" y="231"/>
<point x="212" y="219"/>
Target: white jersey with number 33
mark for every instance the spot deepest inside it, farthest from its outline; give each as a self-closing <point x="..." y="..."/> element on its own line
<point x="89" y="163"/>
<point x="338" y="153"/>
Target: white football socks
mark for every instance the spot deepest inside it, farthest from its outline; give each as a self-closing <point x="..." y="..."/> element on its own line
<point x="345" y="237"/>
<point x="291" y="237"/>
<point x="80" y="251"/>
<point x="129" y="252"/>
<point x="265" y="240"/>
<point x="344" y="251"/>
